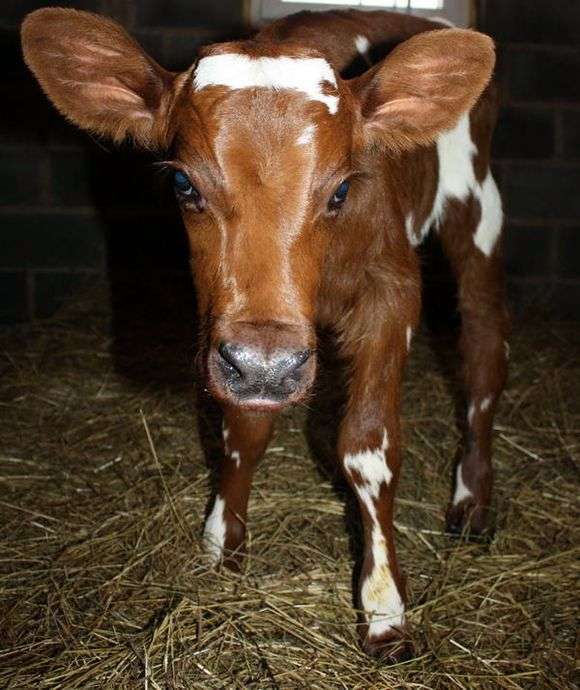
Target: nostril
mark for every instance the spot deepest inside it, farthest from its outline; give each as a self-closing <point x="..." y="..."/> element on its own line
<point x="229" y="355"/>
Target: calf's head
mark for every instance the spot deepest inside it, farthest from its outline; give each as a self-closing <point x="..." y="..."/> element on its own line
<point x="265" y="143"/>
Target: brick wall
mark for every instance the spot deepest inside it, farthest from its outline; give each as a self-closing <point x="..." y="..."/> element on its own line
<point x="72" y="208"/>
<point x="537" y="145"/>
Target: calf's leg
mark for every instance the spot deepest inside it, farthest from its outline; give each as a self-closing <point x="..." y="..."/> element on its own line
<point x="245" y="436"/>
<point x="369" y="449"/>
<point x="484" y="350"/>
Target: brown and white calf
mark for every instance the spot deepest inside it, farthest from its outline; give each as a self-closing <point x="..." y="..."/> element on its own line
<point x="304" y="195"/>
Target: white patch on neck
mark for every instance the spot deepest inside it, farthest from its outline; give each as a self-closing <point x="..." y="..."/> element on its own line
<point x="238" y="71"/>
<point x="455" y="151"/>
<point x="461" y="490"/>
<point x="362" y="44"/>
<point x="214" y="533"/>
<point x="307" y="136"/>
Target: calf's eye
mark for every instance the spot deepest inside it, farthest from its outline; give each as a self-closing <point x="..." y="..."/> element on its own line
<point x="339" y="196"/>
<point x="185" y="190"/>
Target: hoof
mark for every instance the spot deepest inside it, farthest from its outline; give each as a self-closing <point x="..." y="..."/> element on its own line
<point x="468" y="520"/>
<point x="392" y="649"/>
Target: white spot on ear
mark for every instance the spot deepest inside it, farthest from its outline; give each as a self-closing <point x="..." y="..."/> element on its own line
<point x="238" y="71"/>
<point x="409" y="336"/>
<point x="214" y="533"/>
<point x="491" y="221"/>
<point x="307" y="135"/>
<point x="235" y="456"/>
<point x="461" y="490"/>
<point x="471" y="414"/>
<point x="485" y="403"/>
<point x="362" y="44"/>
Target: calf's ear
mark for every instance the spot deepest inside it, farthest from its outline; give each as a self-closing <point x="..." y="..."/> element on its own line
<point x="424" y="86"/>
<point x="97" y="75"/>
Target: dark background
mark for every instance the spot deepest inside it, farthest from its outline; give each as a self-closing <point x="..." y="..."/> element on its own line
<point x="74" y="210"/>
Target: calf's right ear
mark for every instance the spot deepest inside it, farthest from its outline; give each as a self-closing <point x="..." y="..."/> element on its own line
<point x="98" y="76"/>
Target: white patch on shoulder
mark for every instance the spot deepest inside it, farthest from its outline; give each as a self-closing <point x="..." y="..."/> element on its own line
<point x="410" y="230"/>
<point x="235" y="456"/>
<point x="485" y="403"/>
<point x="491" y="221"/>
<point x="461" y="490"/>
<point x="214" y="533"/>
<point x="409" y="336"/>
<point x="455" y="151"/>
<point x="362" y="44"/>
<point x="307" y="136"/>
<point x="238" y="71"/>
<point x="471" y="414"/>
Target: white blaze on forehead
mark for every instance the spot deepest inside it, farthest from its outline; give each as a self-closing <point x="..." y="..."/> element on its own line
<point x="362" y="44"/>
<point x="461" y="490"/>
<point x="307" y="135"/>
<point x="238" y="71"/>
<point x="214" y="533"/>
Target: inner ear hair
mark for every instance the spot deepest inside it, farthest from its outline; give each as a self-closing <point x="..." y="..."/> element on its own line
<point x="424" y="86"/>
<point x="97" y="75"/>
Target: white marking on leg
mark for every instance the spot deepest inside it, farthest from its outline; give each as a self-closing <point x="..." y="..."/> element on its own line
<point x="461" y="490"/>
<point x="409" y="337"/>
<point x="214" y="533"/>
<point x="307" y="135"/>
<point x="491" y="221"/>
<point x="362" y="44"/>
<point x="471" y="414"/>
<point x="235" y="456"/>
<point x="485" y="403"/>
<point x="372" y="467"/>
<point x="380" y="598"/>
<point x="237" y="71"/>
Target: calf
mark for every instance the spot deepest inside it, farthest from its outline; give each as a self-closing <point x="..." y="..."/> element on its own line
<point x="304" y="196"/>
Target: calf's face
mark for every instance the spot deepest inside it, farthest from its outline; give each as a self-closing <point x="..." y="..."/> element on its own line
<point x="264" y="145"/>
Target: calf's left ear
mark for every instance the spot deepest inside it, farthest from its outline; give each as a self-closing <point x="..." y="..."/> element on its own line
<point x="424" y="86"/>
<point x="97" y="75"/>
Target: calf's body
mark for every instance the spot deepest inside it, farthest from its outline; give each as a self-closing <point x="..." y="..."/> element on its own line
<point x="304" y="196"/>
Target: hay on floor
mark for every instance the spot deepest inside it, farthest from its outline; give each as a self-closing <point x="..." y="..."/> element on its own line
<point x="103" y="584"/>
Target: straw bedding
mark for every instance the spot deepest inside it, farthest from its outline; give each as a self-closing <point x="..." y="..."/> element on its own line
<point x="105" y="486"/>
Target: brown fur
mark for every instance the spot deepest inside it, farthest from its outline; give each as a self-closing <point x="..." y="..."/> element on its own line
<point x="271" y="260"/>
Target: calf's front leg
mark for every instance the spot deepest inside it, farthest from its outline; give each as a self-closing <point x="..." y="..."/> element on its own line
<point x="245" y="438"/>
<point x="369" y="449"/>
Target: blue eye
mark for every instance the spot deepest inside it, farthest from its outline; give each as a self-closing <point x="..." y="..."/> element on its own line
<point x="339" y="196"/>
<point x="181" y="183"/>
